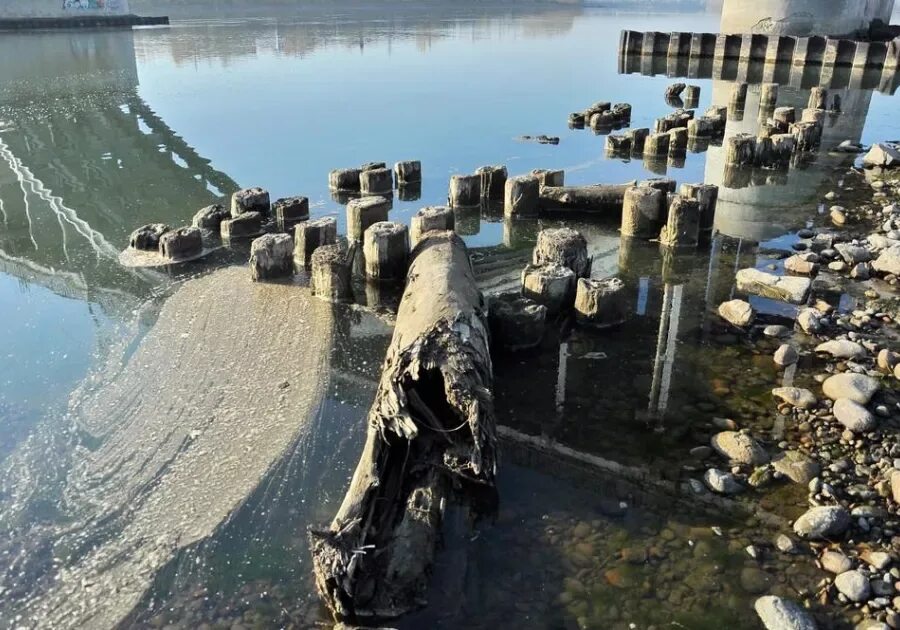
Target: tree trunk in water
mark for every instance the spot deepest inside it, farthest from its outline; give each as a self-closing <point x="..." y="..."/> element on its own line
<point x="604" y="198"/>
<point x="431" y="434"/>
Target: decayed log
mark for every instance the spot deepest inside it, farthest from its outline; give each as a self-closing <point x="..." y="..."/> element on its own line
<point x="599" y="198"/>
<point x="431" y="435"/>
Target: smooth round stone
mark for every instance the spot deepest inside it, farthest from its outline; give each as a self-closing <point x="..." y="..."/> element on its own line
<point x="857" y="387"/>
<point x="854" y="585"/>
<point x="835" y="562"/>
<point x="783" y="614"/>
<point x="853" y="415"/>
<point x="822" y="522"/>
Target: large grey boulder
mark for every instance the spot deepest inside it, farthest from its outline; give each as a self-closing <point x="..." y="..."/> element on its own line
<point x="739" y="448"/>
<point x="822" y="522"/>
<point x="842" y="349"/>
<point x="882" y="156"/>
<point x="792" y="289"/>
<point x="853" y="415"/>
<point x="857" y="387"/>
<point x="783" y="614"/>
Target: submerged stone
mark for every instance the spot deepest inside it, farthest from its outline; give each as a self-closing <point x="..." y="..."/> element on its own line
<point x="783" y="614"/>
<point x="794" y="290"/>
<point x="737" y="312"/>
<point x="739" y="447"/>
<point x="796" y="396"/>
<point x="823" y="522"/>
<point x="854" y="585"/>
<point x="796" y="466"/>
<point x="842" y="349"/>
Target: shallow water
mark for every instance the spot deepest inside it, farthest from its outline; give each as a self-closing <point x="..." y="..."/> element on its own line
<point x="103" y="131"/>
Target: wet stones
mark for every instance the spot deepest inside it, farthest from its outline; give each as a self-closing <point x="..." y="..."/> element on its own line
<point x="386" y="251"/>
<point x="882" y="156"/>
<point x="271" y="256"/>
<point x="330" y="275"/>
<point x="521" y="196"/>
<point x="550" y="285"/>
<point x="493" y="181"/>
<point x="783" y="614"/>
<point x="376" y="181"/>
<point x="245" y="225"/>
<point x="211" y="217"/>
<point x="786" y="355"/>
<point x="722" y="482"/>
<point x="642" y="212"/>
<point x="250" y="200"/>
<point x="800" y="266"/>
<point x="737" y="313"/>
<point x="739" y="448"/>
<point x="842" y="349"/>
<point x="796" y="397"/>
<point x="796" y="466"/>
<point x="601" y="303"/>
<point x="364" y="212"/>
<point x="438" y="218"/>
<point x="181" y="243"/>
<point x="147" y="237"/>
<point x="408" y="172"/>
<point x="888" y="261"/>
<point x="853" y="415"/>
<point x="563" y="246"/>
<point x="809" y="320"/>
<point x="516" y="322"/>
<point x="682" y="228"/>
<point x="787" y="289"/>
<point x="823" y="522"/>
<point x="465" y="191"/>
<point x="857" y="387"/>
<point x="344" y="179"/>
<point x="853" y="585"/>
<point x="310" y="235"/>
<point x="290" y="210"/>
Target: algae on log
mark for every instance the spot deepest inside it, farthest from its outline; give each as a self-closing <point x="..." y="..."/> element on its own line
<point x="431" y="437"/>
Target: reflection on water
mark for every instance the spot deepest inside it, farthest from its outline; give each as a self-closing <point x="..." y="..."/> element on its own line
<point x="128" y="498"/>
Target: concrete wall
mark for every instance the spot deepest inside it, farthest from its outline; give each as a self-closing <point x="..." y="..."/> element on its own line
<point x="803" y="17"/>
<point x="61" y="8"/>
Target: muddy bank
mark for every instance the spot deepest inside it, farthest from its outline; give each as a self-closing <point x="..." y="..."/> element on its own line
<point x="176" y="440"/>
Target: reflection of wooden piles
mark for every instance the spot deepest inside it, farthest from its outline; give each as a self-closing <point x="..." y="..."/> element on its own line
<point x="802" y="62"/>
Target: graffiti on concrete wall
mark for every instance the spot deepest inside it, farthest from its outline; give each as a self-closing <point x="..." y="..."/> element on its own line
<point x="93" y="5"/>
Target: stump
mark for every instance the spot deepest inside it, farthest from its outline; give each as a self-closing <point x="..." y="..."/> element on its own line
<point x="361" y="213"/>
<point x="386" y="250"/>
<point x="657" y="145"/>
<point x="764" y="153"/>
<point x="642" y="212"/>
<point x="622" y="111"/>
<point x="430" y="439"/>
<point x="665" y="184"/>
<point x="521" y="196"/>
<point x="702" y="127"/>
<point x="768" y="96"/>
<point x="807" y="135"/>
<point x="576" y="119"/>
<point x="310" y="235"/>
<point x="562" y="246"/>
<point x="740" y="150"/>
<point x="493" y="181"/>
<point x="678" y="140"/>
<point x="818" y="98"/>
<point x="638" y="137"/>
<point x="691" y="96"/>
<point x="211" y="217"/>
<point x="550" y="285"/>
<point x="290" y="210"/>
<point x="783" y="145"/>
<point x="682" y="227"/>
<point x="250" y="200"/>
<point x="344" y="179"/>
<point x="181" y="243"/>
<point x="376" y="181"/>
<point x="516" y="322"/>
<point x="438" y="218"/>
<point x="465" y="191"/>
<point x="782" y="118"/>
<point x="600" y="198"/>
<point x="330" y="276"/>
<point x="618" y="145"/>
<point x="738" y="99"/>
<point x="271" y="256"/>
<point x="409" y="172"/>
<point x="147" y="237"/>
<point x="245" y="225"/>
<point x="547" y="177"/>
<point x="813" y="115"/>
<point x="707" y="195"/>
<point x="601" y="303"/>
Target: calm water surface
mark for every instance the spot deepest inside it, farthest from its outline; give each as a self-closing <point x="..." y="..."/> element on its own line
<point x="103" y="131"/>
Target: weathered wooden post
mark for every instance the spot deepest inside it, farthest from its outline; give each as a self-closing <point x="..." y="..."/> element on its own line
<point x="250" y="200"/>
<point x="707" y="195"/>
<point x="386" y="250"/>
<point x="768" y="96"/>
<point x="784" y="117"/>
<point x="691" y="96"/>
<point x="678" y="141"/>
<point x="783" y="145"/>
<point x="547" y="177"/>
<point x="617" y="146"/>
<point x="657" y="145"/>
<point x="271" y="256"/>
<point x="289" y="211"/>
<point x="181" y="243"/>
<point x="211" y="217"/>
<point x="517" y="323"/>
<point x="550" y="285"/>
<point x="638" y="138"/>
<point x="430" y="429"/>
<point x="465" y="191"/>
<point x="310" y="235"/>
<point x="682" y="227"/>
<point x="330" y="276"/>
<point x="344" y="179"/>
<point x="740" y="150"/>
<point x="521" y="196"/>
<point x="600" y="198"/>
<point x="363" y="212"/>
<point x="409" y="172"/>
<point x="376" y="181"/>
<point x="641" y="212"/>
<point x="563" y="246"/>
<point x="601" y="303"/>
<point x="818" y="98"/>
<point x="431" y="218"/>
<point x="738" y="101"/>
<point x="244" y="225"/>
<point x="493" y="181"/>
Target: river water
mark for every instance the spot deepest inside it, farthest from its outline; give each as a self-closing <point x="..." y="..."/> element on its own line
<point x="101" y="458"/>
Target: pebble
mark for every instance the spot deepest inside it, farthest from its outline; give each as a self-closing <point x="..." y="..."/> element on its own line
<point x="854" y="585"/>
<point x="835" y="562"/>
<point x="739" y="447"/>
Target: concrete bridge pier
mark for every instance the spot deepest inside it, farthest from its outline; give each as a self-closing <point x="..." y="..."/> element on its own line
<point x="804" y="17"/>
